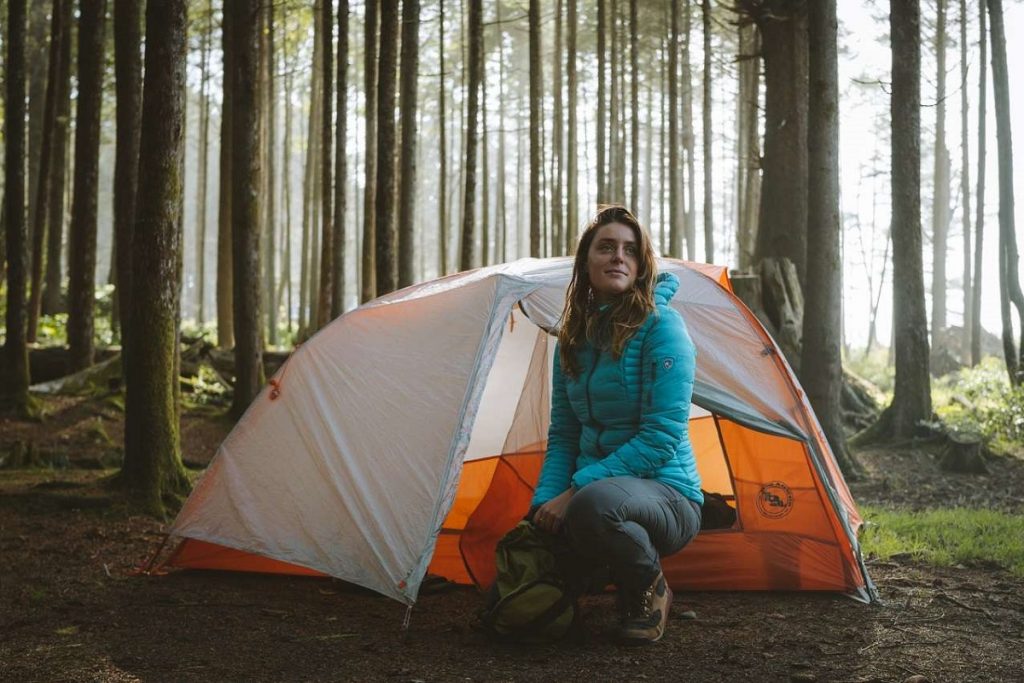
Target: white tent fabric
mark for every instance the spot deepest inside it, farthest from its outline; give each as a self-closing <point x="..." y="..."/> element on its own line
<point x="349" y="461"/>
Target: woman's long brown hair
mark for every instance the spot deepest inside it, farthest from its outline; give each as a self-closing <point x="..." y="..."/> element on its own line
<point x="627" y="311"/>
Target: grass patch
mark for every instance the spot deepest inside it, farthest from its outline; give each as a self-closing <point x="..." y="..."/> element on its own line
<point x="946" y="537"/>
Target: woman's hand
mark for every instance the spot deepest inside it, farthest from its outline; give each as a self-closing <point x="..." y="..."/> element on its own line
<point x="550" y="515"/>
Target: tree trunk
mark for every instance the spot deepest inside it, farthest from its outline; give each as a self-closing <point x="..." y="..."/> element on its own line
<point x="475" y="64"/>
<point x="749" y="161"/>
<point x="36" y="61"/>
<point x="326" y="25"/>
<point x="442" y="180"/>
<point x="225" y="265"/>
<point x="340" y="172"/>
<point x="821" y="360"/>
<point x="14" y="388"/>
<point x="306" y="295"/>
<point x="965" y="190"/>
<point x="912" y="396"/>
<point x="82" y="266"/>
<point x="368" y="286"/>
<point x="152" y="465"/>
<point x="407" y="193"/>
<point x="782" y="223"/>
<point x="270" y="100"/>
<point x="940" y="196"/>
<point x="572" y="218"/>
<point x="558" y="246"/>
<point x="536" y="158"/>
<point x="709" y="226"/>
<point x="204" y="165"/>
<point x="613" y="195"/>
<point x="689" y="143"/>
<point x="1009" y="281"/>
<point x="286" y="191"/>
<point x="634" y="98"/>
<point x="245" y="231"/>
<point x="602" y="105"/>
<point x="979" y="220"/>
<point x="384" y="203"/>
<point x="502" y="185"/>
<point x="55" y="211"/>
<point x="49" y="122"/>
<point x="675" y="214"/>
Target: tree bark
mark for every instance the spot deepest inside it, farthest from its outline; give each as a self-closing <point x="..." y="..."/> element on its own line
<point x="821" y="360"/>
<point x="940" y="195"/>
<point x="675" y="214"/>
<point x="602" y="106"/>
<point x="14" y="388"/>
<point x="442" y="180"/>
<point x="82" y="265"/>
<point x="912" y="396"/>
<point x="782" y="223"/>
<point x="1009" y="281"/>
<point x="49" y="122"/>
<point x="536" y="158"/>
<point x="270" y="126"/>
<point x="245" y="231"/>
<point x="36" y="54"/>
<point x="965" y="190"/>
<point x="407" y="193"/>
<point x="340" y="167"/>
<point x="749" y="162"/>
<point x="689" y="214"/>
<point x="225" y="248"/>
<point x="572" y="218"/>
<point x="475" y="64"/>
<point x="384" y="203"/>
<point x="979" y="220"/>
<point x="152" y="465"/>
<point x="368" y="286"/>
<point x="204" y="164"/>
<point x="52" y="300"/>
<point x="323" y="314"/>
<point x="558" y="246"/>
<point x="709" y="226"/>
<point x="634" y="99"/>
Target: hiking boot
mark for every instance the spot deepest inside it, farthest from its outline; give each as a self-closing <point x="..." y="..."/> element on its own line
<point x="645" y="613"/>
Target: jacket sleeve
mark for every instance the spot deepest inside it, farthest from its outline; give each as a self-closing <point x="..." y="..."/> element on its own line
<point x="563" y="441"/>
<point x="669" y="363"/>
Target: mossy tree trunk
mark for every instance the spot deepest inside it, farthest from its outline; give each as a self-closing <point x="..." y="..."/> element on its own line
<point x="152" y="467"/>
<point x="204" y="163"/>
<point x="14" y="386"/>
<point x="82" y="264"/>
<point x="245" y="176"/>
<point x="225" y="248"/>
<point x="128" y="76"/>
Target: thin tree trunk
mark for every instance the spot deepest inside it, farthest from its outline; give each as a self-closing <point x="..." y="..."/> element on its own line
<point x="536" y="158"/>
<point x="558" y="166"/>
<point x="1009" y="281"/>
<point x="634" y="84"/>
<point x="675" y="215"/>
<point x="245" y="206"/>
<point x="442" y="180"/>
<point x="709" y="226"/>
<point x="384" y="204"/>
<point x="979" y="221"/>
<point x="602" y="105"/>
<point x="689" y="141"/>
<point x="338" y="280"/>
<point x="306" y="295"/>
<point x="204" y="164"/>
<point x="821" y="362"/>
<point x="323" y="314"/>
<point x="613" y="107"/>
<point x="14" y="388"/>
<point x="36" y="53"/>
<point x="408" y="150"/>
<point x="225" y="264"/>
<point x="81" y="285"/>
<point x="270" y="102"/>
<point x="750" y="143"/>
<point x="39" y="218"/>
<point x="572" y="218"/>
<point x="940" y="196"/>
<point x="286" y="191"/>
<point x="368" y="286"/>
<point x="475" y="64"/>
<point x="55" y="213"/>
<point x="152" y="465"/>
<point x="485" y="176"/>
<point x="965" y="189"/>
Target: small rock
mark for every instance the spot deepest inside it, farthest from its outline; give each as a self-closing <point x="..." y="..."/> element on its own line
<point x="916" y="678"/>
<point x="802" y="677"/>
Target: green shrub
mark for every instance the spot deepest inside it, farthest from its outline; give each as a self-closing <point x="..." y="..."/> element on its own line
<point x="980" y="400"/>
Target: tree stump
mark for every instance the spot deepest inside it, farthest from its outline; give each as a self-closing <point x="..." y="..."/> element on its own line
<point x="964" y="454"/>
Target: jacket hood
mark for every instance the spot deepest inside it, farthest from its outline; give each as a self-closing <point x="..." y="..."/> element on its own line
<point x="665" y="288"/>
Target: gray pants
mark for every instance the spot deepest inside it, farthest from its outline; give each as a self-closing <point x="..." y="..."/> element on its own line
<point x="626" y="524"/>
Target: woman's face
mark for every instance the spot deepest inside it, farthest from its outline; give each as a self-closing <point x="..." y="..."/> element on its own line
<point x="612" y="261"/>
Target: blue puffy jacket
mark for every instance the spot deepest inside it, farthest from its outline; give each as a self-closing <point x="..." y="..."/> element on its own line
<point x="626" y="417"/>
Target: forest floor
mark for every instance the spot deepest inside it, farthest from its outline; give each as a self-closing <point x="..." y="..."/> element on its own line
<point x="72" y="609"/>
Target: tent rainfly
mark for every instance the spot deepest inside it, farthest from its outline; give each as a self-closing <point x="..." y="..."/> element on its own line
<point x="405" y="438"/>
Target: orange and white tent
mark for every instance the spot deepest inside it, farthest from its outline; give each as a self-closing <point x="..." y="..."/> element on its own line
<point x="405" y="438"/>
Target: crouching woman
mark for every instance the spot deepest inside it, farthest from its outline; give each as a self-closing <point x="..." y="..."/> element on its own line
<point x="619" y="480"/>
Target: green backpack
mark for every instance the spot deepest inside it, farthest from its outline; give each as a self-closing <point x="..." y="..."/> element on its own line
<point x="529" y="600"/>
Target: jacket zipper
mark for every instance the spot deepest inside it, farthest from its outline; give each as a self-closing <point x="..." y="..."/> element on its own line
<point x="590" y="406"/>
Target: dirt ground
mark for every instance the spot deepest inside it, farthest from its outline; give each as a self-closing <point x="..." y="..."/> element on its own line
<point x="71" y="608"/>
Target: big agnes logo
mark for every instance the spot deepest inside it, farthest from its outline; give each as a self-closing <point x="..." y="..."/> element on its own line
<point x="774" y="500"/>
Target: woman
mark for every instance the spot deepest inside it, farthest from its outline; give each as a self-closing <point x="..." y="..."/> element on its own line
<point x="619" y="480"/>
